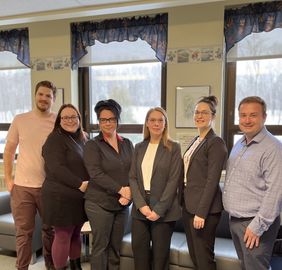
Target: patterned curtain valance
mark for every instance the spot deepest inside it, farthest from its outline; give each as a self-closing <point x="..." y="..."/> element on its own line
<point x="17" y="42"/>
<point x="254" y="18"/>
<point x="151" y="29"/>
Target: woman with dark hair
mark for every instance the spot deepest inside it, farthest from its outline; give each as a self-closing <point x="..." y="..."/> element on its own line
<point x="204" y="160"/>
<point x="64" y="186"/>
<point x="154" y="181"/>
<point x="107" y="158"/>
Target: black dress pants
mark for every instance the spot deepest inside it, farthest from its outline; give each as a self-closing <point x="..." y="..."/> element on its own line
<point x="107" y="229"/>
<point x="201" y="241"/>
<point x="145" y="232"/>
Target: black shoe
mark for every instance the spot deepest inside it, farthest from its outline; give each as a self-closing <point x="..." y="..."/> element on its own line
<point x="50" y="267"/>
<point x="75" y="264"/>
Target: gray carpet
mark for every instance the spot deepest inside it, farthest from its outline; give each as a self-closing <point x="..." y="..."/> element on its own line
<point x="8" y="261"/>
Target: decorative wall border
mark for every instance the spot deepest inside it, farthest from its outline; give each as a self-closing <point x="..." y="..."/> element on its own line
<point x="194" y="55"/>
<point x="50" y="63"/>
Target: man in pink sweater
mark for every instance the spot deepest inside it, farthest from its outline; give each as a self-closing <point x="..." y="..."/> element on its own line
<point x="28" y="132"/>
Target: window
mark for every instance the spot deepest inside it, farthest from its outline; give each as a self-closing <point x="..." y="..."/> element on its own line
<point x="15" y="85"/>
<point x="135" y="80"/>
<point x="254" y="68"/>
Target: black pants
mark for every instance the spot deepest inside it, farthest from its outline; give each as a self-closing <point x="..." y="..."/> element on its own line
<point x="201" y="241"/>
<point x="108" y="229"/>
<point x="159" y="233"/>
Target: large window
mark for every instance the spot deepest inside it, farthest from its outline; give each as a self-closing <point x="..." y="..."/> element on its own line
<point x="255" y="68"/>
<point x="136" y="82"/>
<point x="15" y="93"/>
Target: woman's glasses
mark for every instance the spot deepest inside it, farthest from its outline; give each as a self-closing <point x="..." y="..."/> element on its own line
<point x="105" y="120"/>
<point x="70" y="118"/>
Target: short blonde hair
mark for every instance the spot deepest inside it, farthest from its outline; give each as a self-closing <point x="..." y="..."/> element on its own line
<point x="165" y="136"/>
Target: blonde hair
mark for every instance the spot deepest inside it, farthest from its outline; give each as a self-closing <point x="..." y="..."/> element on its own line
<point x="165" y="136"/>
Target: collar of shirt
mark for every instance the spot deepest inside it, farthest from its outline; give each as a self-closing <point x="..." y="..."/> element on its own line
<point x="257" y="138"/>
<point x="103" y="138"/>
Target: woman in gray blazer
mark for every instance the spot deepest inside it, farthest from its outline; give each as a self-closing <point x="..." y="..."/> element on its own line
<point x="203" y="162"/>
<point x="154" y="179"/>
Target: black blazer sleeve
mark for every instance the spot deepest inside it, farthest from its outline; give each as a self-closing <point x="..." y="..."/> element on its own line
<point x="216" y="155"/>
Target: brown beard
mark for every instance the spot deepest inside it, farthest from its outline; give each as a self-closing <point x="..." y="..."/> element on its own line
<point x="42" y="109"/>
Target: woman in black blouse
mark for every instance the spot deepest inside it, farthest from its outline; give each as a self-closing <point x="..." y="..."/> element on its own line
<point x="107" y="158"/>
<point x="64" y="186"/>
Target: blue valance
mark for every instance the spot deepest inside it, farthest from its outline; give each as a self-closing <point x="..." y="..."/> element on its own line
<point x="17" y="42"/>
<point x="253" y="18"/>
<point x="151" y="29"/>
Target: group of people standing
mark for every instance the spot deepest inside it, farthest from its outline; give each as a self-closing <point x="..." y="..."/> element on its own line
<point x="70" y="179"/>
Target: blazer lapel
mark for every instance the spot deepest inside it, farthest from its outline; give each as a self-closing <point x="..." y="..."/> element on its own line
<point x="158" y="157"/>
<point x="141" y="154"/>
<point x="197" y="149"/>
<point x="209" y="135"/>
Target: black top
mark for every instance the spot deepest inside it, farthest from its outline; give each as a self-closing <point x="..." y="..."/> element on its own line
<point x="108" y="170"/>
<point x="63" y="202"/>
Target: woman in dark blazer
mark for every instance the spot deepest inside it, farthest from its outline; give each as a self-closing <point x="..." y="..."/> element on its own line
<point x="203" y="163"/>
<point x="154" y="179"/>
<point x="107" y="158"/>
<point x="64" y="186"/>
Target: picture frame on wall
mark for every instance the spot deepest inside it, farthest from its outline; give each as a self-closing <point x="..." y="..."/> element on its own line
<point x="186" y="98"/>
<point x="59" y="101"/>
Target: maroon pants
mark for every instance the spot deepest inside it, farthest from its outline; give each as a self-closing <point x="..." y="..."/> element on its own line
<point x="25" y="202"/>
<point x="67" y="244"/>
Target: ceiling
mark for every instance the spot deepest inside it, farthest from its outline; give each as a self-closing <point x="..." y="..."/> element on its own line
<point x="25" y="11"/>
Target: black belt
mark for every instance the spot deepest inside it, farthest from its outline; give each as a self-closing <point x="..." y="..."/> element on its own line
<point x="147" y="192"/>
<point x="241" y="218"/>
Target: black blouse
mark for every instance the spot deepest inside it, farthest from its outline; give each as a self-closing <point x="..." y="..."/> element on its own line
<point x="108" y="170"/>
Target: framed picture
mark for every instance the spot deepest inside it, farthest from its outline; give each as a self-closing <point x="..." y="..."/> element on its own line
<point x="59" y="101"/>
<point x="186" y="98"/>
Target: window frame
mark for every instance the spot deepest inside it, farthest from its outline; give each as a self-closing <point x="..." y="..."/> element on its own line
<point x="230" y="129"/>
<point x="84" y="101"/>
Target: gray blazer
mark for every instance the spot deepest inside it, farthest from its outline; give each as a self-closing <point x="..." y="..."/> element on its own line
<point x="167" y="172"/>
<point x="202" y="194"/>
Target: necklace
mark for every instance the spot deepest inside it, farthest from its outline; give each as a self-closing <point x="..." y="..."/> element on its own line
<point x="78" y="145"/>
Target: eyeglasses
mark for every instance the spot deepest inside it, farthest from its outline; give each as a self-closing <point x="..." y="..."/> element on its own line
<point x="105" y="120"/>
<point x="202" y="113"/>
<point x="70" y="118"/>
<point x="154" y="120"/>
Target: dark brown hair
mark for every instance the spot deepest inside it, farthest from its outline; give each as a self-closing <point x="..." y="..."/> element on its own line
<point x="57" y="125"/>
<point x="211" y="101"/>
<point x="47" y="84"/>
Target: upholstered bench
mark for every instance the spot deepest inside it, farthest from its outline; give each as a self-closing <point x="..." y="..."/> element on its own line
<point x="7" y="228"/>
<point x="225" y="253"/>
